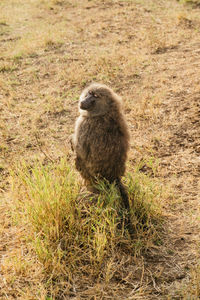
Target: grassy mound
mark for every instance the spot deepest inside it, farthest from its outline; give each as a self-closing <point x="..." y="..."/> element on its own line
<point x="72" y="234"/>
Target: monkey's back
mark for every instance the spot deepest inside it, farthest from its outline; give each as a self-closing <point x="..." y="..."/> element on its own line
<point x="101" y="146"/>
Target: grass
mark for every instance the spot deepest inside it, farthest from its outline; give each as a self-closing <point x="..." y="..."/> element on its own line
<point x="69" y="232"/>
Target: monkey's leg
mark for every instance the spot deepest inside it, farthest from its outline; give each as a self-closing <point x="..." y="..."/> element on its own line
<point x="90" y="184"/>
<point x="89" y="180"/>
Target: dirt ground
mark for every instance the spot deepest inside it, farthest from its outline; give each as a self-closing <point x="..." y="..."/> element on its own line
<point x="149" y="53"/>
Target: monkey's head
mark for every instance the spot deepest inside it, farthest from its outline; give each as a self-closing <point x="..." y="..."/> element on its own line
<point x="97" y="100"/>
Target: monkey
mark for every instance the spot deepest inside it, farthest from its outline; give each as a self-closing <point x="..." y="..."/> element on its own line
<point x="101" y="138"/>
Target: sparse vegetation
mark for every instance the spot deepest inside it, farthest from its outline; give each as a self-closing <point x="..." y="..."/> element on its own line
<point x="57" y="241"/>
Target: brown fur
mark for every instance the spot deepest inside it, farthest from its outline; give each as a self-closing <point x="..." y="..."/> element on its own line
<point x="101" y="139"/>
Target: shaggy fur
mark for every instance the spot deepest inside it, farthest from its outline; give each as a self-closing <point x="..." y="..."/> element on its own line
<point x="101" y="138"/>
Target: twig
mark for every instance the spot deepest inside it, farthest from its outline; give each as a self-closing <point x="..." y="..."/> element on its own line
<point x="40" y="148"/>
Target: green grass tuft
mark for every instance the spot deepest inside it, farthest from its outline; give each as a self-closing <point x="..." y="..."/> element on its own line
<point x="73" y="232"/>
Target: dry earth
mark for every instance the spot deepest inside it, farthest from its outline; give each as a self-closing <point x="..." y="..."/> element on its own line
<point x="148" y="52"/>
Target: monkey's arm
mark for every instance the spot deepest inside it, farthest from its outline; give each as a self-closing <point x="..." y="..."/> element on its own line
<point x="81" y="167"/>
<point x="71" y="141"/>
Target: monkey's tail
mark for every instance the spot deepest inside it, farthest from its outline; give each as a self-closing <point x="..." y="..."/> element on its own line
<point x="123" y="193"/>
<point x="124" y="196"/>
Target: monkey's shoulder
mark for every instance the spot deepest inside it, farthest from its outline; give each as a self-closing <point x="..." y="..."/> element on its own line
<point x="102" y="125"/>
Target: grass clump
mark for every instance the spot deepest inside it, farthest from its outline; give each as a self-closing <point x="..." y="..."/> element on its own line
<point x="75" y="234"/>
<point x="145" y="196"/>
<point x="63" y="224"/>
<point x="194" y="3"/>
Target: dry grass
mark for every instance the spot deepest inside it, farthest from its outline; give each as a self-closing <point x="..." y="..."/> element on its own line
<point x="148" y="52"/>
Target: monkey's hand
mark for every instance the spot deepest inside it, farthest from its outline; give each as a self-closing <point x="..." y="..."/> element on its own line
<point x="71" y="141"/>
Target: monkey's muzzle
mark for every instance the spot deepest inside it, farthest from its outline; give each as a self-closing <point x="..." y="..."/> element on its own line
<point x="87" y="103"/>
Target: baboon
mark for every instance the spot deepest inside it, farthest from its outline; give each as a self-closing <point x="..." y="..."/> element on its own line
<point x="101" y="138"/>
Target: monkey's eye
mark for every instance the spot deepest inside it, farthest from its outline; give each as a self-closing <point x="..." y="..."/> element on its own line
<point x="93" y="94"/>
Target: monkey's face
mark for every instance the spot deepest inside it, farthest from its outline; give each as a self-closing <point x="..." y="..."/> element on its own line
<point x="87" y="101"/>
<point x="94" y="102"/>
